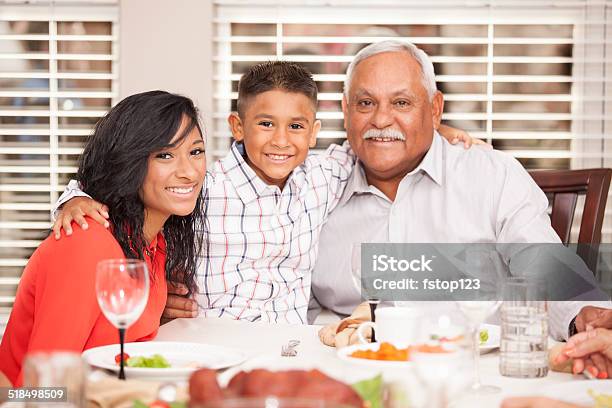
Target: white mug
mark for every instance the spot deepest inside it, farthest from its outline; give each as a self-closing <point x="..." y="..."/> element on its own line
<point x="399" y="326"/>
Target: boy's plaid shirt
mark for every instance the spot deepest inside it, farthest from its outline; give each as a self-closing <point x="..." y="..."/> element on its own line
<point x="263" y="242"/>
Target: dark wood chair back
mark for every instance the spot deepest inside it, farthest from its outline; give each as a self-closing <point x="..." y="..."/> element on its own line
<point x="565" y="186"/>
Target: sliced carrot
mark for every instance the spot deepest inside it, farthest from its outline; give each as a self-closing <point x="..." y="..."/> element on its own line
<point x="386" y="352"/>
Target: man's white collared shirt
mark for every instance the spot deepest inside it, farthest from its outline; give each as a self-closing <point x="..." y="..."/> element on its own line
<point x="478" y="195"/>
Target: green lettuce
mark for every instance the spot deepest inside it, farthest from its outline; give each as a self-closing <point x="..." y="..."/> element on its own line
<point x="371" y="390"/>
<point x="155" y="361"/>
<point x="484" y="336"/>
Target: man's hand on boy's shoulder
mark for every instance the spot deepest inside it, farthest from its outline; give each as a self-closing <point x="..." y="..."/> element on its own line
<point x="76" y="210"/>
<point x="177" y="305"/>
<point x="454" y="136"/>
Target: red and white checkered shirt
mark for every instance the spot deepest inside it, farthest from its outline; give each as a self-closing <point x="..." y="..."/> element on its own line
<point x="263" y="242"/>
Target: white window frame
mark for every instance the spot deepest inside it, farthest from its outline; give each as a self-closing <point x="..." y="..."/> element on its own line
<point x="591" y="145"/>
<point x="54" y="12"/>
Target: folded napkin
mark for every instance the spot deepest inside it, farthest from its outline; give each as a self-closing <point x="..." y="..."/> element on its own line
<point x="344" y="332"/>
<point x="104" y="391"/>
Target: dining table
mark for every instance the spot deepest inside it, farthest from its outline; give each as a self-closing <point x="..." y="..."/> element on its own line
<point x="262" y="343"/>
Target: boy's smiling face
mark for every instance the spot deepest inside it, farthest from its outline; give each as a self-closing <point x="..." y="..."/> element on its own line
<point x="277" y="128"/>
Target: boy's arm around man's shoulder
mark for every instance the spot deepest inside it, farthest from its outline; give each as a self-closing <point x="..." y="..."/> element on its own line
<point x="336" y="165"/>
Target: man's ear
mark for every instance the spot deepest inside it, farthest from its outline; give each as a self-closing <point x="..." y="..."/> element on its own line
<point x="315" y="132"/>
<point x="437" y="107"/>
<point x="344" y="110"/>
<point x="235" y="124"/>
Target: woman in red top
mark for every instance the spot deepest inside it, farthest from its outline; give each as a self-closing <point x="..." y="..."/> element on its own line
<point x="146" y="160"/>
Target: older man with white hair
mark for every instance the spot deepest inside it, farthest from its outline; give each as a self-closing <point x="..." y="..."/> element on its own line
<point x="412" y="186"/>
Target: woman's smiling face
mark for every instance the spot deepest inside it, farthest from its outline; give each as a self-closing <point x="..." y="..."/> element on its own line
<point x="175" y="176"/>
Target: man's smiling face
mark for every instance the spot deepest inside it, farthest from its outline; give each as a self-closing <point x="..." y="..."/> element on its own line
<point x="389" y="117"/>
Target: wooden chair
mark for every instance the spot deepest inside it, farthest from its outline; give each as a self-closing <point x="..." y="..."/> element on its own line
<point x="565" y="186"/>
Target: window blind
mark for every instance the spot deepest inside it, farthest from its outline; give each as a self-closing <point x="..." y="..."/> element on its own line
<point x="58" y="75"/>
<point x="529" y="77"/>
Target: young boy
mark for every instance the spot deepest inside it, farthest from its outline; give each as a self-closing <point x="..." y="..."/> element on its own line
<point x="266" y="200"/>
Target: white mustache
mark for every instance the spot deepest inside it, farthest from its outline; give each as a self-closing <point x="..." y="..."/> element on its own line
<point x="387" y="133"/>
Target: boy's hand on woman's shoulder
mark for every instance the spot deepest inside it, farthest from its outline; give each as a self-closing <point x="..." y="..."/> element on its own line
<point x="76" y="210"/>
<point x="177" y="305"/>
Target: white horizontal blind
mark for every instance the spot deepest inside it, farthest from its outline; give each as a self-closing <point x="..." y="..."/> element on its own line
<point x="530" y="77"/>
<point x="58" y="75"/>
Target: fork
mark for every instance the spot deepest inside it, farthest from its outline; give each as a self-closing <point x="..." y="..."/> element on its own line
<point x="288" y="350"/>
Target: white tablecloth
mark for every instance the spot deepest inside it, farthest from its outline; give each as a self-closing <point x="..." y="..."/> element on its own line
<point x="263" y="342"/>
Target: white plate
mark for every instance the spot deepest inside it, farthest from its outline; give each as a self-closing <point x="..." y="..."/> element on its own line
<point x="344" y="353"/>
<point x="494" y="338"/>
<point x="492" y="342"/>
<point x="576" y="392"/>
<point x="184" y="358"/>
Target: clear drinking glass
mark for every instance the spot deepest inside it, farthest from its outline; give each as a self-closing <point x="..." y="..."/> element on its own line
<point x="122" y="290"/>
<point x="65" y="370"/>
<point x="524" y="330"/>
<point x="441" y="372"/>
<point x="357" y="280"/>
<point x="476" y="313"/>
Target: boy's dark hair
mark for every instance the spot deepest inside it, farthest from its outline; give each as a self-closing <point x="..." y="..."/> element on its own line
<point x="114" y="165"/>
<point x="271" y="75"/>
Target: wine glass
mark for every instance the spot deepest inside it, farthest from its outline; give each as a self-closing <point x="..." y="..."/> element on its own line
<point x="476" y="313"/>
<point x="357" y="280"/>
<point x="122" y="290"/>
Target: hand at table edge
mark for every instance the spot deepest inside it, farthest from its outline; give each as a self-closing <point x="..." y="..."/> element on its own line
<point x="177" y="305"/>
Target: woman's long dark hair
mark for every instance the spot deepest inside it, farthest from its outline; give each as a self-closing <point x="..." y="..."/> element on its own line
<point x="114" y="165"/>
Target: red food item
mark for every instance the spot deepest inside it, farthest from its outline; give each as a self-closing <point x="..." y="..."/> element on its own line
<point x="234" y="388"/>
<point x="118" y="358"/>
<point x="203" y="386"/>
<point x="313" y="384"/>
<point x="159" y="404"/>
<point x="261" y="383"/>
<point x="320" y="386"/>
